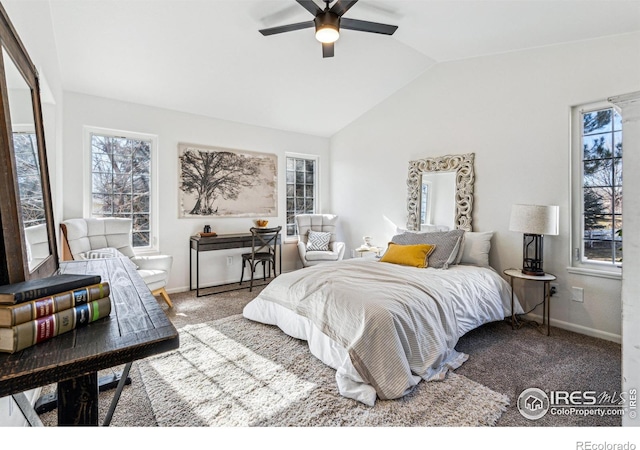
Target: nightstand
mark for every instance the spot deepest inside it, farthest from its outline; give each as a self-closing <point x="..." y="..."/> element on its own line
<point x="547" y="278"/>
<point x="371" y="249"/>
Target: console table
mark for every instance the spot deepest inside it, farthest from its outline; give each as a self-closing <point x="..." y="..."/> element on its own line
<point x="199" y="244"/>
<point x="136" y="328"/>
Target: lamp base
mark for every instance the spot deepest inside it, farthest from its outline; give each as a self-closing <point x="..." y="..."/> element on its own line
<point x="533" y="272"/>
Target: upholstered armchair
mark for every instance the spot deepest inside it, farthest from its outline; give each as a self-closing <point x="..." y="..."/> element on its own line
<point x="37" y="241"/>
<point x="318" y="223"/>
<point x="111" y="237"/>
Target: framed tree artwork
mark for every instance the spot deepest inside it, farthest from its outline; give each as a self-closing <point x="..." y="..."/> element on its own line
<point x="220" y="182"/>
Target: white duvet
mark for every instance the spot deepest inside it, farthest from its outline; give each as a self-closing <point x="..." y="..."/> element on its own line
<point x="383" y="327"/>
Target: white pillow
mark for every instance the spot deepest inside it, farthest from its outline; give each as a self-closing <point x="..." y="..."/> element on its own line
<point x="100" y="253"/>
<point x="318" y="241"/>
<point x="424" y="229"/>
<point x="476" y="247"/>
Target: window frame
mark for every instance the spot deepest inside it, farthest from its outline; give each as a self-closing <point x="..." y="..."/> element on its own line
<point x="577" y="263"/>
<point x="316" y="188"/>
<point x="153" y="180"/>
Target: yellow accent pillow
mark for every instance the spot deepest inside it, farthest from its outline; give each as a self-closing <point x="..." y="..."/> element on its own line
<point x="408" y="255"/>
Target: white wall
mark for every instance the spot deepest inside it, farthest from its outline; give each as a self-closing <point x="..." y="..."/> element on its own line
<point x="512" y="111"/>
<point x="173" y="127"/>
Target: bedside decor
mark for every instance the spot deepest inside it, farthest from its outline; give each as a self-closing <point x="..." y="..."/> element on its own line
<point x="534" y="221"/>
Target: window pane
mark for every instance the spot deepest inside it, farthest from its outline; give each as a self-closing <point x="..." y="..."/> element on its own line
<point x="308" y="190"/>
<point x="291" y="177"/>
<point x="290" y="190"/>
<point x="597" y="121"/>
<point x="300" y="191"/>
<point x="300" y="165"/>
<point x="290" y="163"/>
<point x="598" y="146"/>
<point x="141" y="222"/>
<point x="310" y="166"/>
<point x="141" y="239"/>
<point x="300" y="177"/>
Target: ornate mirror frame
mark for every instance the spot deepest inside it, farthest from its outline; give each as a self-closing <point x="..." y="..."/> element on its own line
<point x="465" y="177"/>
<point x="14" y="263"/>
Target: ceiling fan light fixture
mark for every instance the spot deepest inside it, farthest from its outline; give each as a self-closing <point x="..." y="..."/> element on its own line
<point x="327" y="26"/>
<point x="327" y="35"/>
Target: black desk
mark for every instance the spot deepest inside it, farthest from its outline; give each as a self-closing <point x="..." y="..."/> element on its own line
<point x="221" y="242"/>
<point x="136" y="328"/>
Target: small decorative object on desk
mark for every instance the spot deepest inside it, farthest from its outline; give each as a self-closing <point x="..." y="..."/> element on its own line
<point x="262" y="223"/>
<point x="367" y="241"/>
<point x="207" y="228"/>
<point x="211" y="234"/>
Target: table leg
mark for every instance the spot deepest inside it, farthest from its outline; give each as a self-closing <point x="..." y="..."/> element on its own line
<point x="197" y="272"/>
<point x="78" y="401"/>
<point x="513" y="314"/>
<point x="547" y="306"/>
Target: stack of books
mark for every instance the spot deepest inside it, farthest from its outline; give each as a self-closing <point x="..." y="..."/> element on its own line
<point x="34" y="311"/>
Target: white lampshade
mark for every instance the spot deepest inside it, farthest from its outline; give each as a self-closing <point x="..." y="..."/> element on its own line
<point x="535" y="219"/>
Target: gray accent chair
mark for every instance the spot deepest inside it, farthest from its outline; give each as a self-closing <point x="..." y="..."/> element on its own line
<point x="111" y="237"/>
<point x="323" y="223"/>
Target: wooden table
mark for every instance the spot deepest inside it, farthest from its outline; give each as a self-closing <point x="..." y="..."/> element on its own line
<point x="136" y="328"/>
<point x="199" y="244"/>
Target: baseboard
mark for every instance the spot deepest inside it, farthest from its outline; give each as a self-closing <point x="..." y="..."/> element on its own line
<point x="579" y="329"/>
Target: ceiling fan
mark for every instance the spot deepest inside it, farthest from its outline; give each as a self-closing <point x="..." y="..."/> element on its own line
<point x="328" y="23"/>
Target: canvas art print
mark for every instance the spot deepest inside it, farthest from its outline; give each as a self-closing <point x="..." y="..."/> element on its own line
<point x="219" y="182"/>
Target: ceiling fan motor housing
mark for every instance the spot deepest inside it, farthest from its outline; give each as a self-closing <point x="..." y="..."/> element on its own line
<point x="327" y="19"/>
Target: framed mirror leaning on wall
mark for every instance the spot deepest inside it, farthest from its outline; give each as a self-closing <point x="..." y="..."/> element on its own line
<point x="440" y="192"/>
<point x="28" y="240"/>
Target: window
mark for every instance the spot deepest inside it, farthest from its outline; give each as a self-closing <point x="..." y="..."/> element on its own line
<point x="597" y="187"/>
<point x="121" y="174"/>
<point x="302" y="184"/>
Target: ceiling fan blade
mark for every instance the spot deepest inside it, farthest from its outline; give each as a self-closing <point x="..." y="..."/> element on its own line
<point x="370" y="27"/>
<point x="285" y="28"/>
<point x="310" y="6"/>
<point x="341" y="7"/>
<point x="327" y="50"/>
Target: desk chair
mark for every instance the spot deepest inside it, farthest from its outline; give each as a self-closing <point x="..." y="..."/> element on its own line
<point x="263" y="250"/>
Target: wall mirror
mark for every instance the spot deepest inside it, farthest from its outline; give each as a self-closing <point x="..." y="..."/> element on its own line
<point x="440" y="192"/>
<point x="28" y="236"/>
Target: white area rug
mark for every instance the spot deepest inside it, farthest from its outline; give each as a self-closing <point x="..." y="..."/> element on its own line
<point x="235" y="372"/>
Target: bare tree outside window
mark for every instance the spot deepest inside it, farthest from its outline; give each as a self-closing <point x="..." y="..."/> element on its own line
<point x="602" y="185"/>
<point x="120" y="187"/>
<point x="29" y="183"/>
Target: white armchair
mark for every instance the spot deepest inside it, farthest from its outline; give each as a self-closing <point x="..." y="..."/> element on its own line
<point x="321" y="223"/>
<point x="111" y="237"/>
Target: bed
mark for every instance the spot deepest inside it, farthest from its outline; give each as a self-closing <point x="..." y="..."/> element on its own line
<point x="384" y="327"/>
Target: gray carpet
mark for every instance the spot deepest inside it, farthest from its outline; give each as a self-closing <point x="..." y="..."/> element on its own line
<point x="235" y="372"/>
<point x="504" y="360"/>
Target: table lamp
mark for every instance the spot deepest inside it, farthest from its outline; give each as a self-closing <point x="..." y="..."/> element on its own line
<point x="534" y="221"/>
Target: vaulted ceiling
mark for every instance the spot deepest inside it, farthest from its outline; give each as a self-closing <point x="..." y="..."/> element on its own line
<point x="207" y="56"/>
